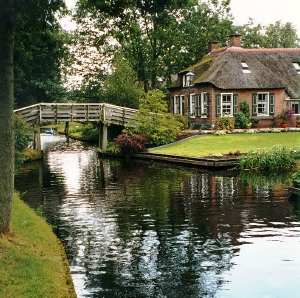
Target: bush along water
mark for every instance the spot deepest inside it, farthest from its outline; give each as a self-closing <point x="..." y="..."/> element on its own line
<point x="277" y="157"/>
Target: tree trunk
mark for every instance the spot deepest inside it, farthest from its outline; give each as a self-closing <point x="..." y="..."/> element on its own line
<point x="6" y="114"/>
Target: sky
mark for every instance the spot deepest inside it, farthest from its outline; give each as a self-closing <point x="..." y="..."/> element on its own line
<point x="262" y="12"/>
<point x="266" y="12"/>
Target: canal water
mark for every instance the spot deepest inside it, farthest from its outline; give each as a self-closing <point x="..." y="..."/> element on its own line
<point x="143" y="229"/>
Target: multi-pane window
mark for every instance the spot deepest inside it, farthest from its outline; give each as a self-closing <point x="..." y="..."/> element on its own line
<point x="178" y="104"/>
<point x="262" y="104"/>
<point x="295" y="104"/>
<point x="192" y="105"/>
<point x="204" y="104"/>
<point x="227" y="104"/>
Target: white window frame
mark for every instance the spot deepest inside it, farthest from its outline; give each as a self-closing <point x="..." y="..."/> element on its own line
<point x="224" y="103"/>
<point x="260" y="102"/>
<point x="192" y="105"/>
<point x="204" y="104"/>
<point x="293" y="102"/>
<point x="181" y="105"/>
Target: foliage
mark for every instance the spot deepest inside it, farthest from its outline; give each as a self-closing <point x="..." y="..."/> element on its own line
<point x="154" y="121"/>
<point x="286" y="115"/>
<point x="158" y="38"/>
<point x="265" y="178"/>
<point x="242" y="120"/>
<point x="23" y="135"/>
<point x="277" y="157"/>
<point x="90" y="131"/>
<point x="121" y="87"/>
<point x="276" y="35"/>
<point x="130" y="144"/>
<point x="296" y="176"/>
<point x="298" y="119"/>
<point x="224" y="122"/>
<point x="40" y="51"/>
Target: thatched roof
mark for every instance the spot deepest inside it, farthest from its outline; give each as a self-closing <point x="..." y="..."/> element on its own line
<point x="269" y="69"/>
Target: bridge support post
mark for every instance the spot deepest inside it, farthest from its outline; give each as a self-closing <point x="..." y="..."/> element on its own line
<point x="103" y="136"/>
<point x="37" y="136"/>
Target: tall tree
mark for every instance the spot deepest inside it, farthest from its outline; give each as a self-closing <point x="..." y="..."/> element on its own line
<point x="121" y="87"/>
<point x="158" y="38"/>
<point x="277" y="35"/>
<point x="6" y="113"/>
<point x="40" y="52"/>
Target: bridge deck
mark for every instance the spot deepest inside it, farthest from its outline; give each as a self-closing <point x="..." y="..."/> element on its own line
<point x="77" y="112"/>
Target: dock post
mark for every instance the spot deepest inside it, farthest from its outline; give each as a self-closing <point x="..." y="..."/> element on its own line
<point x="103" y="136"/>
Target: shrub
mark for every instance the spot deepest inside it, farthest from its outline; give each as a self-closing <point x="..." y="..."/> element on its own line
<point x="130" y="144"/>
<point x="224" y="122"/>
<point x="277" y="157"/>
<point x="154" y="121"/>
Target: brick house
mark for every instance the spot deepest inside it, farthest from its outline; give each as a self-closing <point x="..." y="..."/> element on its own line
<point x="267" y="79"/>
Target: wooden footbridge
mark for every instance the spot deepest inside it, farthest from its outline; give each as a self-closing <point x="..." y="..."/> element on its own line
<point x="102" y="113"/>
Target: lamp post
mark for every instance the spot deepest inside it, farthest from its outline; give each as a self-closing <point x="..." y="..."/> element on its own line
<point x="189" y="79"/>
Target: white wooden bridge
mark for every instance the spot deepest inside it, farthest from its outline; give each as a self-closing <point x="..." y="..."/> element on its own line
<point x="102" y="113"/>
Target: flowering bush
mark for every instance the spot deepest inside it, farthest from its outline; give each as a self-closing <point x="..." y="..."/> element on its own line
<point x="286" y="115"/>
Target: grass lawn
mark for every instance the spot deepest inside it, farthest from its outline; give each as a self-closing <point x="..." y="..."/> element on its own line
<point x="204" y="145"/>
<point x="32" y="259"/>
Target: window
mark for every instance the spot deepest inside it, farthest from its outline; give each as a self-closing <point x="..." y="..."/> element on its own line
<point x="178" y="104"/>
<point x="295" y="104"/>
<point x="192" y="105"/>
<point x="263" y="104"/>
<point x="297" y="67"/>
<point x="185" y="81"/>
<point x="204" y="104"/>
<point x="201" y="107"/>
<point x="245" y="67"/>
<point x="227" y="104"/>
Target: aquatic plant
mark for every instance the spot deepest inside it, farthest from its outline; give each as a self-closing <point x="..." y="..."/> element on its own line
<point x="277" y="157"/>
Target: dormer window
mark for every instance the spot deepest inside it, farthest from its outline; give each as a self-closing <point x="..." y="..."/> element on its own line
<point x="297" y="67"/>
<point x="188" y="79"/>
<point x="245" y="67"/>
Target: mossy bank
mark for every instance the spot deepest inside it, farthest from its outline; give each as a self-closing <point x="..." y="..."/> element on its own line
<point x="32" y="259"/>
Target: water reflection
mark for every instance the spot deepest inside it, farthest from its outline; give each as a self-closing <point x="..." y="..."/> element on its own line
<point x="138" y="229"/>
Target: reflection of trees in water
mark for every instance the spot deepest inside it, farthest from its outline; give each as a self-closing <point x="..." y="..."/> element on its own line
<point x="138" y="229"/>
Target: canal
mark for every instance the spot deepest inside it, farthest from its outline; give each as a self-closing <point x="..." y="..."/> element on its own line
<point x="142" y="229"/>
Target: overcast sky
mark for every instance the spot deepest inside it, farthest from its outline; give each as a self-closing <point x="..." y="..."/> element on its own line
<point x="263" y="12"/>
<point x="266" y="12"/>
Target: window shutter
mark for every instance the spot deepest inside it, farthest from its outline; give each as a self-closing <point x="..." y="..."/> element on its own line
<point x="218" y="104"/>
<point x="207" y="100"/>
<point x="235" y="104"/>
<point x="271" y="104"/>
<point x="173" y="103"/>
<point x="254" y="104"/>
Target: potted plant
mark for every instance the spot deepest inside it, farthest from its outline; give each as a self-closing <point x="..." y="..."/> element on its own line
<point x="285" y="115"/>
<point x="255" y="121"/>
<point x="298" y="120"/>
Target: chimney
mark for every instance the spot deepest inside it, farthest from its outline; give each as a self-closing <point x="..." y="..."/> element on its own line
<point x="235" y="40"/>
<point x="213" y="45"/>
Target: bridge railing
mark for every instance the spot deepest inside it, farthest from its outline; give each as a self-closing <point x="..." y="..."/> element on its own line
<point x="77" y="112"/>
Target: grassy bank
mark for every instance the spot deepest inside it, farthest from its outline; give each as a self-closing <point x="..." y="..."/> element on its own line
<point x="32" y="259"/>
<point x="224" y="144"/>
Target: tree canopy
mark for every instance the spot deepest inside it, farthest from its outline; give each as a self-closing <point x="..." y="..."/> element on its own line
<point x="158" y="38"/>
<point x="40" y="52"/>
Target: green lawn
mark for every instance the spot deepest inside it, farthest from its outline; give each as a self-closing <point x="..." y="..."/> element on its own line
<point x="203" y="145"/>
